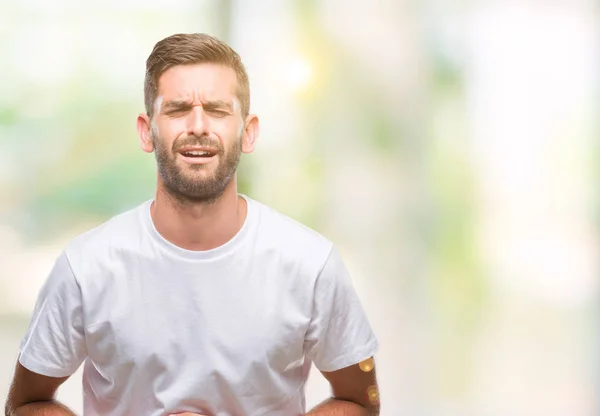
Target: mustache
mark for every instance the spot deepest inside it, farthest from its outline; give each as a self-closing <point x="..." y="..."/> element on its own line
<point x="203" y="141"/>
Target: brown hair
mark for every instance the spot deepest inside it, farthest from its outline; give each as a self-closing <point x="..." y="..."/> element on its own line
<point x="194" y="48"/>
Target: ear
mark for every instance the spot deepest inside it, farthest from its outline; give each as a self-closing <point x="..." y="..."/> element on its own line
<point x="250" y="134"/>
<point x="144" y="131"/>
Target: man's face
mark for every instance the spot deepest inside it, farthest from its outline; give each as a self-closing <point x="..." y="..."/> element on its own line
<point x="196" y="130"/>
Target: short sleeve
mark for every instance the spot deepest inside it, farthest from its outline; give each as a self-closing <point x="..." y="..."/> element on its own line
<point x="339" y="334"/>
<point x="54" y="344"/>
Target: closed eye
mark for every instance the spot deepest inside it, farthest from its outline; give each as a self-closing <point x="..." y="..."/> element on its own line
<point x="217" y="113"/>
<point x="177" y="111"/>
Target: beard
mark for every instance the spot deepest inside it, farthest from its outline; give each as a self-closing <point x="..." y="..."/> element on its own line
<point x="203" y="183"/>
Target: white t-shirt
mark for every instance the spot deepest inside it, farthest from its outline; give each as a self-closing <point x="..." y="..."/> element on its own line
<point x="227" y="332"/>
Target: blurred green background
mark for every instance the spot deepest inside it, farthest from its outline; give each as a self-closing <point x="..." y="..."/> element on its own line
<point x="450" y="150"/>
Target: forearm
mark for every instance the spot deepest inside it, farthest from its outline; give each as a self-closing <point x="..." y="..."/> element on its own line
<point x="334" y="407"/>
<point x="49" y="408"/>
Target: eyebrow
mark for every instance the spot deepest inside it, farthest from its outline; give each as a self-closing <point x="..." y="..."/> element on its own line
<point x="219" y="104"/>
<point x="183" y="104"/>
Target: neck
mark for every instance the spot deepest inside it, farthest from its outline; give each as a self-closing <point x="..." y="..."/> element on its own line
<point x="199" y="225"/>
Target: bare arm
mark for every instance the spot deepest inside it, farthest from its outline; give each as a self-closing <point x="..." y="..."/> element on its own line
<point x="354" y="390"/>
<point x="33" y="394"/>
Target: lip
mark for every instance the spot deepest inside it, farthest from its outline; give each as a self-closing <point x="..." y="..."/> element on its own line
<point x="206" y="149"/>
<point x="197" y="160"/>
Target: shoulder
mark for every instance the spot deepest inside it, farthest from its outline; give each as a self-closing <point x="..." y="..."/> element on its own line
<point x="284" y="230"/>
<point x="288" y="237"/>
<point x="121" y="232"/>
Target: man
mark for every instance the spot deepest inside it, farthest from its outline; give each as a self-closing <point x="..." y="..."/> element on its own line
<point x="202" y="300"/>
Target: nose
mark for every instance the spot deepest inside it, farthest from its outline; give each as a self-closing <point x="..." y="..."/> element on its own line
<point x="197" y="123"/>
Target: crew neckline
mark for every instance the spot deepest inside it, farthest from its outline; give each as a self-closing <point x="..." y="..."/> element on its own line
<point x="198" y="255"/>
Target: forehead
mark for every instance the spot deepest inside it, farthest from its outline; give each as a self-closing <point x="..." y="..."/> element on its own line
<point x="205" y="81"/>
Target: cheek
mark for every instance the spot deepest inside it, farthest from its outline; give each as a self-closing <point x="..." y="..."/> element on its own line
<point x="226" y="131"/>
<point x="168" y="132"/>
<point x="230" y="129"/>
<point x="240" y="129"/>
<point x="173" y="128"/>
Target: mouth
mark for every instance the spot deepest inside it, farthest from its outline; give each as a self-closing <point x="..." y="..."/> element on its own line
<point x="198" y="155"/>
